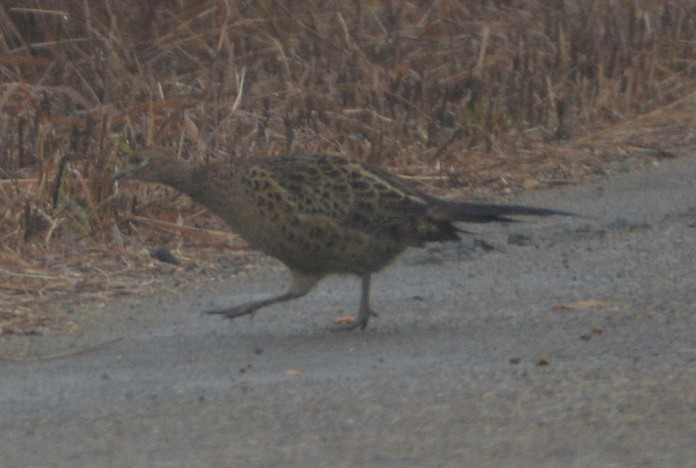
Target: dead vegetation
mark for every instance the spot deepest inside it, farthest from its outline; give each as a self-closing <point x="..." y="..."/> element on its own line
<point x="467" y="96"/>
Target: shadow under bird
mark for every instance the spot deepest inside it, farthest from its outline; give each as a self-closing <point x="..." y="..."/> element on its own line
<point x="318" y="214"/>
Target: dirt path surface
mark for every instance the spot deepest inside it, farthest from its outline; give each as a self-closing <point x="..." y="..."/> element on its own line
<point x="572" y="342"/>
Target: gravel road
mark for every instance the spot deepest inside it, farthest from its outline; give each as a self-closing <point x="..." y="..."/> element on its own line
<point x="555" y="342"/>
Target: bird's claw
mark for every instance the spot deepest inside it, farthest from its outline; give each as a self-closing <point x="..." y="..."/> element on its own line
<point x="232" y="313"/>
<point x="357" y="322"/>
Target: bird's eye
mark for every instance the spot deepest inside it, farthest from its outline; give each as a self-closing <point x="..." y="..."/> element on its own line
<point x="138" y="161"/>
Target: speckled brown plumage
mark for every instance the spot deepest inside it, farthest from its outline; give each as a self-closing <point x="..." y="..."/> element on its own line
<point x="318" y="214"/>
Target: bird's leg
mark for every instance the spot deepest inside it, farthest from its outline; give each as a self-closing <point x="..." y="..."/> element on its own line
<point x="364" y="312"/>
<point x="251" y="307"/>
<point x="301" y="285"/>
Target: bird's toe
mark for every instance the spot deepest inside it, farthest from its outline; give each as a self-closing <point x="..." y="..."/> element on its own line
<point x="233" y="312"/>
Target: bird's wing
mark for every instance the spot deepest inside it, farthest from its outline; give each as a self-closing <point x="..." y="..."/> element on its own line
<point x="345" y="191"/>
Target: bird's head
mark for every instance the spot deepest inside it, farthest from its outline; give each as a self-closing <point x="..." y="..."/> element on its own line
<point x="151" y="164"/>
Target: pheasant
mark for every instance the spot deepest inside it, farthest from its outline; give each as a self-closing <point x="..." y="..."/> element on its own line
<point x="318" y="214"/>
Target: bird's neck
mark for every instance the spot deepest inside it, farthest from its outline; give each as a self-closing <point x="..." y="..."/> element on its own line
<point x="187" y="179"/>
<point x="207" y="184"/>
<point x="213" y="186"/>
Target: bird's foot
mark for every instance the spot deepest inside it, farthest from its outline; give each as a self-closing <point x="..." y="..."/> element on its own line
<point x="234" y="312"/>
<point x="350" y="322"/>
<point x="364" y="317"/>
<point x="251" y="307"/>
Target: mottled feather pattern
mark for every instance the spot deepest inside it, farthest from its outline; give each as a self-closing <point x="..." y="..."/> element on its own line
<point x="350" y="193"/>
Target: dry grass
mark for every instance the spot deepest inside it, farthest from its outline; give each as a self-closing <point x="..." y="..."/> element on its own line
<point x="467" y="96"/>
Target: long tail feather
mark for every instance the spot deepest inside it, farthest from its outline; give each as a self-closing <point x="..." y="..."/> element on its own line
<point x="485" y="212"/>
